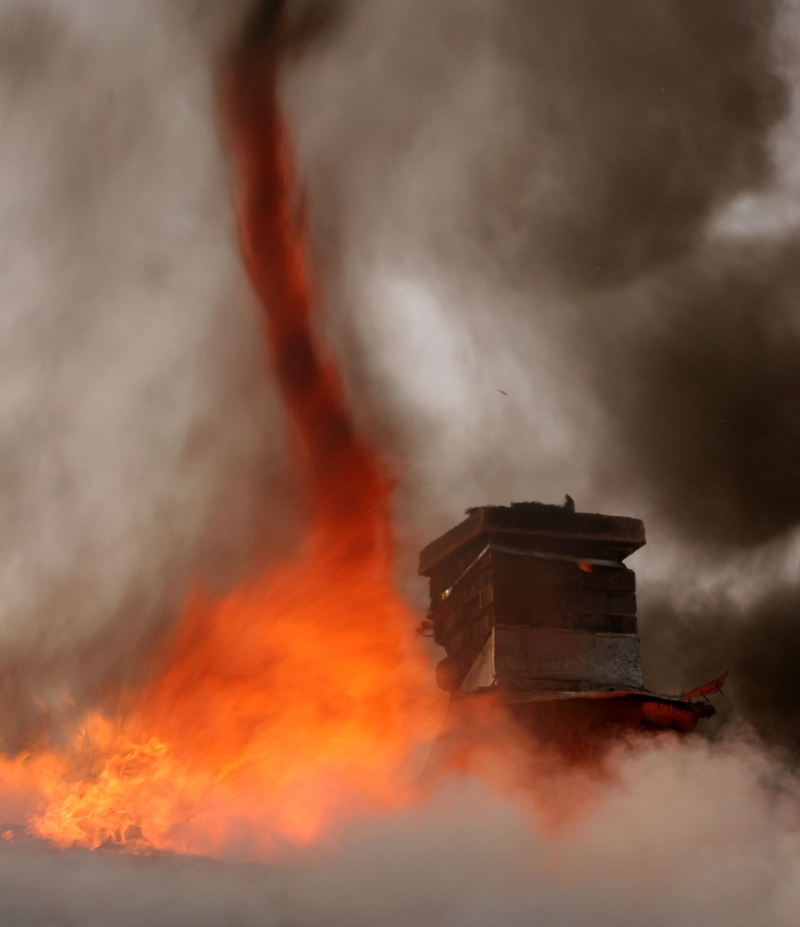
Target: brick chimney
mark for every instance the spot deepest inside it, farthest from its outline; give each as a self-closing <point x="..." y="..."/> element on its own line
<point x="535" y="603"/>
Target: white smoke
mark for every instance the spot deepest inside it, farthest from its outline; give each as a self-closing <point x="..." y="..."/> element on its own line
<point x="686" y="836"/>
<point x="136" y="418"/>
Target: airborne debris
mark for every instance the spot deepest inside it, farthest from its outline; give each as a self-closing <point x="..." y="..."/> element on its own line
<point x="710" y="688"/>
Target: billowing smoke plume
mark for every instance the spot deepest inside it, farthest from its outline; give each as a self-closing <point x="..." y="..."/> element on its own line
<point x="683" y="837"/>
<point x="557" y="244"/>
<point x="138" y="428"/>
<point x="566" y="238"/>
<point x="575" y="204"/>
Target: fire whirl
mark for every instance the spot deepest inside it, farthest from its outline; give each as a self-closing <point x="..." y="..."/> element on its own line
<point x="298" y="699"/>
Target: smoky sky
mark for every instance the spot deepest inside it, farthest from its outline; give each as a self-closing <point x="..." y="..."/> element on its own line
<point x="724" y="856"/>
<point x="580" y="157"/>
<point x="758" y="648"/>
<point x="512" y="209"/>
<point x="582" y="150"/>
<point x="704" y="392"/>
<point x="650" y="114"/>
<point x="556" y="250"/>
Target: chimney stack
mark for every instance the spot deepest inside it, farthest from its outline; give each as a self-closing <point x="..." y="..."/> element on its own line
<point x="535" y="604"/>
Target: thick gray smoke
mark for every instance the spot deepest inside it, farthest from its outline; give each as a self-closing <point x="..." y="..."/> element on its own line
<point x="569" y="235"/>
<point x="557" y="245"/>
<point x="693" y="836"/>
<point x="538" y="239"/>
<point x="136" y="416"/>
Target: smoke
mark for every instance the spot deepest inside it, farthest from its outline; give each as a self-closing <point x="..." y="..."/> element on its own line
<point x="691" y="836"/>
<point x="759" y="647"/>
<point x="704" y="392"/>
<point x="592" y="208"/>
<point x="137" y="419"/>
<point x="541" y="249"/>
<point x="533" y="140"/>
<point x="560" y="247"/>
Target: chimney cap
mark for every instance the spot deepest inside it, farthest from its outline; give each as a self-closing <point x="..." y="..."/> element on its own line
<point x="544" y="527"/>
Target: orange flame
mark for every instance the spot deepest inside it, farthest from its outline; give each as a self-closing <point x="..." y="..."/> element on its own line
<point x="299" y="698"/>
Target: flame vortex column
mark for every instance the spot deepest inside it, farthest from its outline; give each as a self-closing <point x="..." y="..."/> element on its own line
<point x="349" y="491"/>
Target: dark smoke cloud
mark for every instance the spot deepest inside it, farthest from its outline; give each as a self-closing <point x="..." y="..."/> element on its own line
<point x="551" y="168"/>
<point x="758" y="645"/>
<point x="557" y="169"/>
<point x="504" y="195"/>
<point x="565" y="150"/>
<point x="548" y="138"/>
<point x="643" y="115"/>
<point x="703" y="390"/>
<point x="291" y="28"/>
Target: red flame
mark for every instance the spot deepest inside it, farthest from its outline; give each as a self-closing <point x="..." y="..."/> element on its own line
<point x="299" y="698"/>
